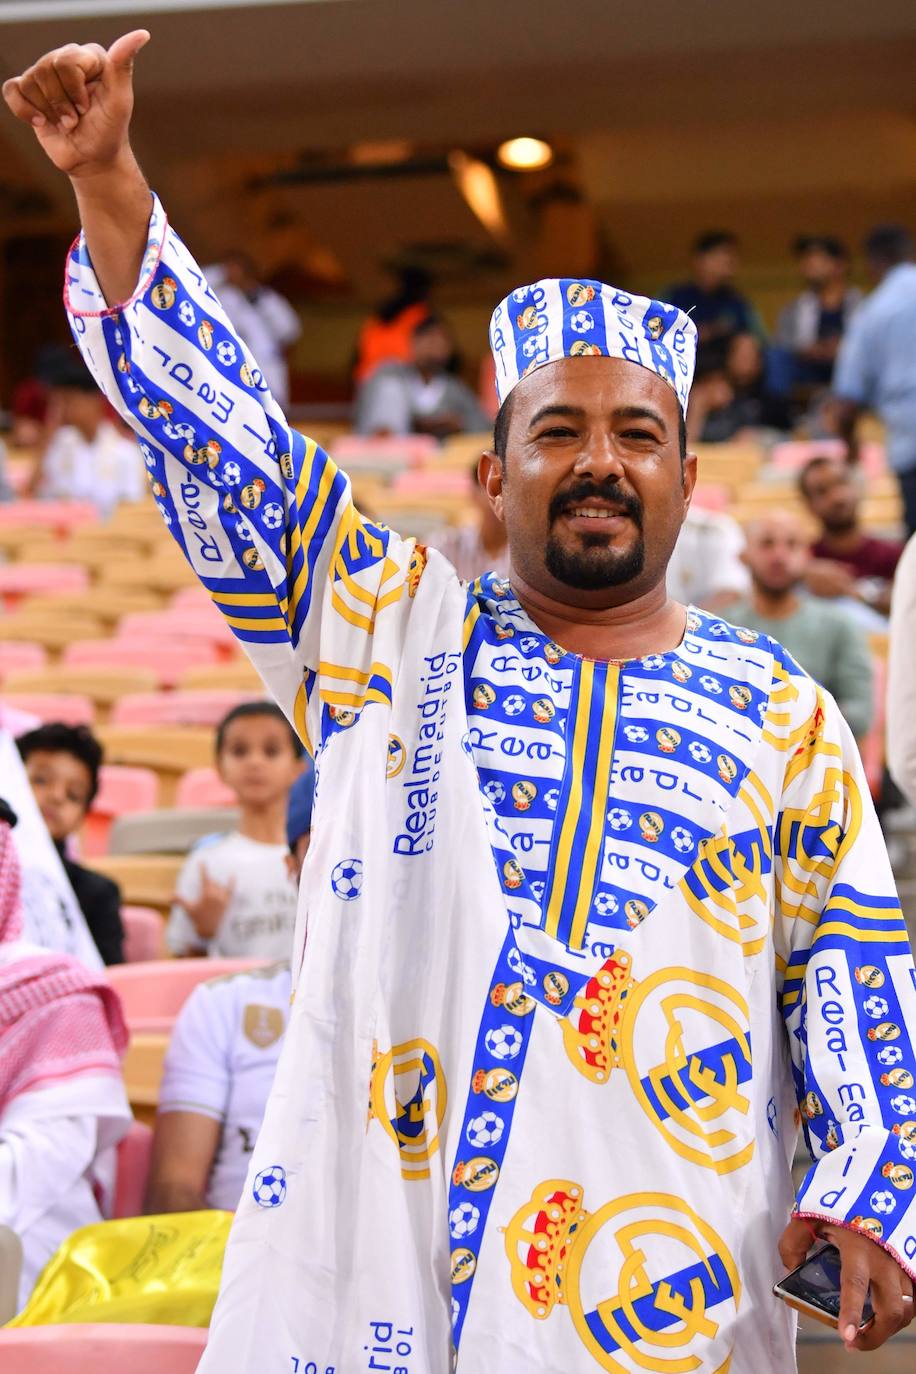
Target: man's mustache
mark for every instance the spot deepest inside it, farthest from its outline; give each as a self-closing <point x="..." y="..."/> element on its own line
<point x="614" y="495"/>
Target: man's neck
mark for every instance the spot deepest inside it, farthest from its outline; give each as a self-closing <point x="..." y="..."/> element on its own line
<point x="831" y="294"/>
<point x="775" y="605"/>
<point x="648" y="624"/>
<point x="842" y="541"/>
<point x="266" y="824"/>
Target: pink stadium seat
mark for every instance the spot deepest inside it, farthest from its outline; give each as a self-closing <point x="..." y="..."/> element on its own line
<point x="710" y="496"/>
<point x="134" y="1154"/>
<point x="204" y="787"/>
<point x="153" y="993"/>
<point x="19" y="656"/>
<point x="408" y="450"/>
<point x="60" y="517"/>
<point x="795" y="453"/>
<point x="194" y="623"/>
<point x="69" y="707"/>
<point x="191" y="598"/>
<point x="144" y="934"/>
<point x="86" y="1348"/>
<point x="168" y="660"/>
<point x="176" y="708"/>
<point x="433" y="482"/>
<point x="22" y="579"/>
<point x="122" y="790"/>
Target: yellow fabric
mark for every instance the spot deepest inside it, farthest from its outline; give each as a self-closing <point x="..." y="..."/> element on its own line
<point x="163" y="1270"/>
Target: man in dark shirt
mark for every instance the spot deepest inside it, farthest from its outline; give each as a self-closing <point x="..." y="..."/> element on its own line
<point x="811" y="326"/>
<point x="62" y="763"/>
<point x="716" y="307"/>
<point x="846" y="560"/>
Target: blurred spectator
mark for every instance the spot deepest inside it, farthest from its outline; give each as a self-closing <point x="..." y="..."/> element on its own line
<point x="811" y="326"/>
<point x="479" y="546"/>
<point x="712" y="300"/>
<point x="234" y="897"/>
<point x="846" y="561"/>
<point x="824" y="639"/>
<point x="386" y="336"/>
<point x="728" y="403"/>
<point x="707" y="568"/>
<point x="218" y="1073"/>
<point x="265" y="320"/>
<point x="62" y="1100"/>
<point x="901" y="678"/>
<point x="62" y="763"/>
<point x="874" y="369"/>
<point x="421" y="396"/>
<point x="87" y="457"/>
<point x="29" y="410"/>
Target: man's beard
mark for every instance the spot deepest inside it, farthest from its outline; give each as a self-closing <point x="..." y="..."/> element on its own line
<point x="597" y="564"/>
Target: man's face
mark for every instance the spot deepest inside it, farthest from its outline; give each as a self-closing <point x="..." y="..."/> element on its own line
<point x="718" y="266"/>
<point x="777" y="553"/>
<point x="832" y="497"/>
<point x="818" y="268"/>
<point x="593" y="492"/>
<point x="431" y="347"/>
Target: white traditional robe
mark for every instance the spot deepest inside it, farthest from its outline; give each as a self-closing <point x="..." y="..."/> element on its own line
<point x="585" y="941"/>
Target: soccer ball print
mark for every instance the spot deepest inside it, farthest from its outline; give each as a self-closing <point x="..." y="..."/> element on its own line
<point x="504" y="1042"/>
<point x="270" y="1186"/>
<point x="347" y="879"/>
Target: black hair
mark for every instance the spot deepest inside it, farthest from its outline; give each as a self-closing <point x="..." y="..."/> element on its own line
<point x="820" y="460"/>
<point x="246" y="711"/>
<point x="76" y="740"/>
<point x="714" y="238"/>
<point x="428" y="322"/>
<point x="504" y="419"/>
<point x="827" y="243"/>
<point x="889" y="244"/>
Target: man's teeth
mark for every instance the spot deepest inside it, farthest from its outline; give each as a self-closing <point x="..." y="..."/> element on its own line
<point x="595" y="512"/>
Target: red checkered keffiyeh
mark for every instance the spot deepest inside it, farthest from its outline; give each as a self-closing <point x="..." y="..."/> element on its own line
<point x="57" y="1019"/>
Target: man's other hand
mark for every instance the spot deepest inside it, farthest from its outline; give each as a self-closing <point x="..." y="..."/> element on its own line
<point x="864" y="1265"/>
<point x="79" y="100"/>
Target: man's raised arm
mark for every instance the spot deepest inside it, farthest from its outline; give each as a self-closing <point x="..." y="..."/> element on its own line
<point x="263" y="516"/>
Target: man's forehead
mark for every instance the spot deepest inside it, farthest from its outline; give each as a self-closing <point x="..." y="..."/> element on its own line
<point x="599" y="385"/>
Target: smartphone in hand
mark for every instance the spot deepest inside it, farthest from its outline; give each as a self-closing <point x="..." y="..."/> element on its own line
<point x="814" y="1288"/>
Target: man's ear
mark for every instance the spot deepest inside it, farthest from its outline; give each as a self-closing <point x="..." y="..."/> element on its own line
<point x="490" y="475"/>
<point x="690" y="479"/>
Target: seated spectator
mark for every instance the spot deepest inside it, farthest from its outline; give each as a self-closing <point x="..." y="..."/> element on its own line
<point x="220" y="1066"/>
<point x="707" y="568"/>
<point x="824" y="639"/>
<point x="87" y="458"/>
<point x="218" y="1073"/>
<point x="478" y="547"/>
<point x="811" y="326"/>
<point x="421" y="396"/>
<point x="62" y="1100"/>
<point x="265" y="320"/>
<point x="846" y="561"/>
<point x="62" y="763"/>
<point x="234" y="897"/>
<point x="710" y="297"/>
<point x="385" y="337"/>
<point x="731" y="402"/>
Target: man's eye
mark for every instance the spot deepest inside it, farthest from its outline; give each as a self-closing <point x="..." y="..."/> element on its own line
<point x="557" y="432"/>
<point x="642" y="435"/>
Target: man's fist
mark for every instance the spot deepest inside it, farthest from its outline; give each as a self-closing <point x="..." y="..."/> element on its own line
<point x="79" y="100"/>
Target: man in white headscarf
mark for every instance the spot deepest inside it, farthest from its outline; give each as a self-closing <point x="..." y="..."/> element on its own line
<point x="598" y="908"/>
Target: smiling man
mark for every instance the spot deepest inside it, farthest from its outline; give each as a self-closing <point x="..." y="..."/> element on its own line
<point x="598" y="908"/>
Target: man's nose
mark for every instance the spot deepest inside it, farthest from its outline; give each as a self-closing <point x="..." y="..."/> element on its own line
<point x="599" y="456"/>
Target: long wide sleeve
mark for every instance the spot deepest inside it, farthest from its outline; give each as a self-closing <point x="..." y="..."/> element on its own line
<point x="847" y="987"/>
<point x="261" y="513"/>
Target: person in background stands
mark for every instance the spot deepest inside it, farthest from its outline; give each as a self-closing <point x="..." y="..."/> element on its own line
<point x="87" y="458"/>
<point x="846" y="561"/>
<point x="233" y="897"/>
<point x="480" y="545"/>
<point x="710" y="297"/>
<point x="825" y="640"/>
<point x="63" y="763"/>
<point x="874" y="368"/>
<point x="62" y="1100"/>
<point x="810" y="327"/>
<point x="385" y="336"/>
<point x="220" y="1065"/>
<point x="266" y="322"/>
<point x="730" y="402"/>
<point x="707" y="568"/>
<point x="421" y="396"/>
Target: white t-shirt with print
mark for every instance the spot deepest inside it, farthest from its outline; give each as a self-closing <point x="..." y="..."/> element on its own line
<point x="221" y="1061"/>
<point x="261" y="915"/>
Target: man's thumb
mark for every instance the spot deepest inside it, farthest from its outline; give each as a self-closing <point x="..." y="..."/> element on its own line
<point x="124" y="49"/>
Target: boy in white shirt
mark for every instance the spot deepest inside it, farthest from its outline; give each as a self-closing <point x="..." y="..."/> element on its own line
<point x="234" y="897"/>
<point x="220" y="1066"/>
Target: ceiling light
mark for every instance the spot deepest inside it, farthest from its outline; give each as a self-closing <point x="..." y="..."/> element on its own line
<point x="478" y="185"/>
<point x="525" y="154"/>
